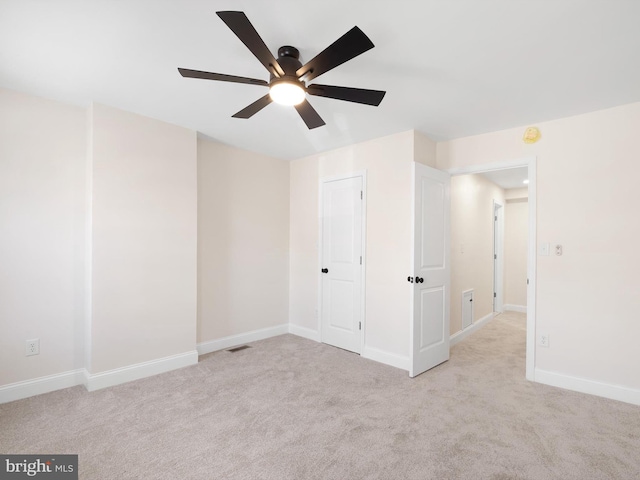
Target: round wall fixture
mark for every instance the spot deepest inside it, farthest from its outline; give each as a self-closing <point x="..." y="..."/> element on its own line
<point x="531" y="135"/>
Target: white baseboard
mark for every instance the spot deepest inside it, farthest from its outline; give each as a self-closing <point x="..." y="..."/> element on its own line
<point x="241" y="338"/>
<point x="514" y="308"/>
<point x="474" y="327"/>
<point x="370" y="353"/>
<point x="398" y="361"/>
<point x="37" y="386"/>
<point x="139" y="370"/>
<point x="592" y="387"/>
<point x="304" y="332"/>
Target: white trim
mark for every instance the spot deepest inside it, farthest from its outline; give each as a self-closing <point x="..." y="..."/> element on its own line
<point x="531" y="269"/>
<point x="475" y="326"/>
<point x="530" y="163"/>
<point x="488" y="167"/>
<point x="304" y="332"/>
<point x="592" y="387"/>
<point x="392" y="359"/>
<point x="412" y="267"/>
<point x="497" y="219"/>
<point x="515" y="308"/>
<point x="139" y="370"/>
<point x="241" y="338"/>
<point x="320" y="266"/>
<point x="363" y="270"/>
<point x="38" y="386"/>
<point x="363" y="286"/>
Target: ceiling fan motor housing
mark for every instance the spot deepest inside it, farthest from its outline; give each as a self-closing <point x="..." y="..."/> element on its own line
<point x="289" y="60"/>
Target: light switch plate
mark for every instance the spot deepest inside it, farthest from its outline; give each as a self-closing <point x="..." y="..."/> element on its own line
<point x="544" y="249"/>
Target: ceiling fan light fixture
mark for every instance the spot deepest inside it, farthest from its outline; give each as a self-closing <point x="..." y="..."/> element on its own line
<point x="287" y="93"/>
<point x="288" y="76"/>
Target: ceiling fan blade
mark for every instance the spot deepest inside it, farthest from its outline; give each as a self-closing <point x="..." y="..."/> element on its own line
<point x="185" y="72"/>
<point x="241" y="26"/>
<point x="309" y="115"/>
<point x="348" y="94"/>
<point x="254" y="108"/>
<point x="348" y="46"/>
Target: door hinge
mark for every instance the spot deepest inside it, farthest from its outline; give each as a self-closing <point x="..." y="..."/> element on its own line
<point x="495" y="257"/>
<point x="527" y="281"/>
<point x="495" y="218"/>
<point x="360" y="194"/>
<point x="360" y="259"/>
<point x="494" y="295"/>
<point x="359" y="325"/>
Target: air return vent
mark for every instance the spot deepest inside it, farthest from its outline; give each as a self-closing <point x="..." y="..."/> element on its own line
<point x="237" y="349"/>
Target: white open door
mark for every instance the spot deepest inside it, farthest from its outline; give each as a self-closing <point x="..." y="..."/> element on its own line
<point x="341" y="285"/>
<point x="431" y="278"/>
<point x="498" y="256"/>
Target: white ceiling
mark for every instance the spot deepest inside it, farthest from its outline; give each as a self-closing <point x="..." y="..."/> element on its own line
<point x="508" y="178"/>
<point x="451" y="68"/>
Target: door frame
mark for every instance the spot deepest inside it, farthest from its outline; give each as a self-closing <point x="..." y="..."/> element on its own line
<point x="498" y="259"/>
<point x="530" y="163"/>
<point x="363" y="290"/>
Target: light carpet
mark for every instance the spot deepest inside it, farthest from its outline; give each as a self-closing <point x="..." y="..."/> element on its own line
<point x="290" y="408"/>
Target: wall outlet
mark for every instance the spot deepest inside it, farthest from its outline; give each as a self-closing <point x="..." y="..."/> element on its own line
<point x="543" y="340"/>
<point x="33" y="347"/>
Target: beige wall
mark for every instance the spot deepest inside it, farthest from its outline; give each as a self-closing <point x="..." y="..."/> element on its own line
<point x="388" y="162"/>
<point x="303" y="244"/>
<point x="243" y="241"/>
<point x="516" y="230"/>
<point x="472" y="199"/>
<point x="424" y="150"/>
<point x="516" y="193"/>
<point x="144" y="234"/>
<point x="42" y="151"/>
<point x="587" y="299"/>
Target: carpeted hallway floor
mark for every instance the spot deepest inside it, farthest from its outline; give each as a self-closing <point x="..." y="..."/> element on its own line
<point x="290" y="408"/>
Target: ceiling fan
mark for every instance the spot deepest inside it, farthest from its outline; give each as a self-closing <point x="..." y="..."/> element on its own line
<point x="288" y="77"/>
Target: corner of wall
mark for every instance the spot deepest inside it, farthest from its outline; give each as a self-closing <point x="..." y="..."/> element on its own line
<point x="424" y="149"/>
<point x="88" y="242"/>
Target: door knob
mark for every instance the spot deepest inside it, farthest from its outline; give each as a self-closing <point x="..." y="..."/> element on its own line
<point x="419" y="280"/>
<point x="410" y="279"/>
<point x="325" y="270"/>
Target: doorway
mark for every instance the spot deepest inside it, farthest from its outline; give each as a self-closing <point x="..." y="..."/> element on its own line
<point x="530" y="164"/>
<point x="342" y="237"/>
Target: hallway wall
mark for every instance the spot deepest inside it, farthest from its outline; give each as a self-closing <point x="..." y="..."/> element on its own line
<point x="472" y="199"/>
<point x="516" y="228"/>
